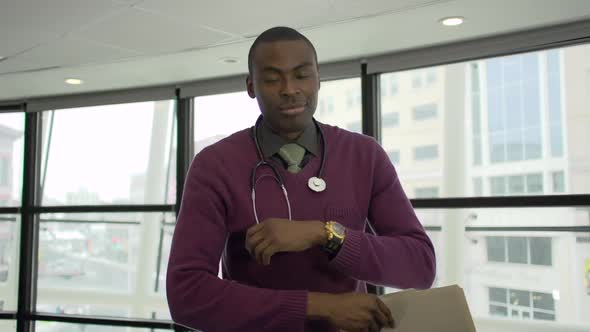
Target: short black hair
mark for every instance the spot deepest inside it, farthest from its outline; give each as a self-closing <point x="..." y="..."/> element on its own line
<point x="278" y="34"/>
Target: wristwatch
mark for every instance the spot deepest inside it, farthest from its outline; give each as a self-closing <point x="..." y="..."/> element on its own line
<point x="336" y="234"/>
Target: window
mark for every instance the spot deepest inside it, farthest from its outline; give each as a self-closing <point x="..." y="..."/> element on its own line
<point x="111" y="154"/>
<point x="355" y="126"/>
<point x="496" y="248"/>
<point x="520" y="250"/>
<point x="390" y="119"/>
<point x="515" y="121"/>
<point x="393" y="156"/>
<point x="91" y="256"/>
<point x="431" y="76"/>
<point x="12" y="127"/>
<point x="477" y="186"/>
<point x="343" y="100"/>
<point x="517" y="184"/>
<point x="426" y="192"/>
<point x="558" y="181"/>
<point x="426" y="152"/>
<point x="513" y="108"/>
<point x="9" y="241"/>
<point x="423" y="112"/>
<point x="520" y="304"/>
<point x="417" y="81"/>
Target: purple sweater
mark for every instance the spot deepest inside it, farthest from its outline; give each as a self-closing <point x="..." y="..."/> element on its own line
<point x="216" y="212"/>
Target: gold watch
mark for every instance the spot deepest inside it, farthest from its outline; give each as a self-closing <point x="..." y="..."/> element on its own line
<point x="336" y="235"/>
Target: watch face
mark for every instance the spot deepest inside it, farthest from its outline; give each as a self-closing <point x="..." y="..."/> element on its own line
<point x="338" y="229"/>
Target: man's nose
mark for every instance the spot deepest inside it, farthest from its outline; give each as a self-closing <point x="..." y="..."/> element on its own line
<point x="289" y="87"/>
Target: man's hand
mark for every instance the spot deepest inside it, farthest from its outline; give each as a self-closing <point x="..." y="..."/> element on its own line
<point x="351" y="312"/>
<point x="282" y="235"/>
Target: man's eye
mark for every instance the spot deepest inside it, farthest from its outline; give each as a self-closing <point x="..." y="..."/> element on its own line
<point x="271" y="79"/>
<point x="303" y="75"/>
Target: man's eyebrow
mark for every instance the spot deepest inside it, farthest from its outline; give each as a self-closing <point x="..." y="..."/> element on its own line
<point x="279" y="70"/>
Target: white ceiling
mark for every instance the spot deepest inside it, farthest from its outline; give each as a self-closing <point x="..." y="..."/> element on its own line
<point x="116" y="44"/>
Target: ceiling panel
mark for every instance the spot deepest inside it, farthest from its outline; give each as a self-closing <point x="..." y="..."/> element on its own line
<point x="149" y="33"/>
<point x="14" y="41"/>
<point x="56" y="16"/>
<point x="74" y="52"/>
<point x="244" y="18"/>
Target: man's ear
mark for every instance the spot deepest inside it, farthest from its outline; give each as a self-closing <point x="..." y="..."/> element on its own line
<point x="250" y="87"/>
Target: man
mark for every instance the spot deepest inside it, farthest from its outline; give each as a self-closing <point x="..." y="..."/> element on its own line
<point x="308" y="273"/>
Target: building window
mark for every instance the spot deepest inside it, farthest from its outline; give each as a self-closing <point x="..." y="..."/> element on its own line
<point x="390" y="119"/>
<point x="431" y="77"/>
<point x="518" y="184"/>
<point x="558" y="181"/>
<point x="520" y="250"/>
<point x="393" y="86"/>
<point x="521" y="304"/>
<point x="423" y="112"/>
<point x="417" y="80"/>
<point x="426" y="152"/>
<point x="477" y="186"/>
<point x="514" y="111"/>
<point x="393" y="156"/>
<point x="427" y="192"/>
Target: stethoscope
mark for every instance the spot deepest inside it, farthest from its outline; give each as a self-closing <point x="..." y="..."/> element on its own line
<point x="315" y="183"/>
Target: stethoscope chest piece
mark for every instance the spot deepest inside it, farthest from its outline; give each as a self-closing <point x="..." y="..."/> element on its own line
<point x="316" y="184"/>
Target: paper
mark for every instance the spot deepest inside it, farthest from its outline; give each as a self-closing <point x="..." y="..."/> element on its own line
<point x="438" y="309"/>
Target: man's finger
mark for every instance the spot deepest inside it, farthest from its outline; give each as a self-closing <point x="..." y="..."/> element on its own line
<point x="259" y="249"/>
<point x="254" y="229"/>
<point x="267" y="254"/>
<point x="385" y="310"/>
<point x="380" y="316"/>
<point x="254" y="241"/>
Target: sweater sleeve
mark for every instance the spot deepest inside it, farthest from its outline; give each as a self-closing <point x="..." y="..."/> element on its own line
<point x="197" y="298"/>
<point x="401" y="255"/>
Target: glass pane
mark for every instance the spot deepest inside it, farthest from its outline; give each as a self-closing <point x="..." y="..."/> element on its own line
<point x="558" y="181"/>
<point x="517" y="249"/>
<point x="426" y="192"/>
<point x="130" y="163"/>
<point x="9" y="248"/>
<point x="543" y="301"/>
<point x="498" y="295"/>
<point x="7" y="325"/>
<point x="423" y="112"/>
<point x="496" y="310"/>
<point x="513" y="120"/>
<point x="345" y="95"/>
<point x="41" y="326"/>
<point x="12" y="127"/>
<point x="426" y="152"/>
<point x="102" y="263"/>
<point x="541" y="252"/>
<point x="543" y="316"/>
<point x="520" y="298"/>
<point x="496" y="249"/>
<point x="212" y="114"/>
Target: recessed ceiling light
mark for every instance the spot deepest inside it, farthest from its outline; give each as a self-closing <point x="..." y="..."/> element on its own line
<point x="74" y="81"/>
<point x="229" y="60"/>
<point x="452" y="21"/>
